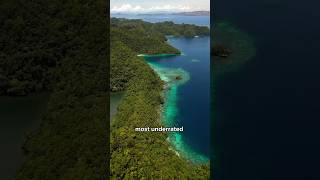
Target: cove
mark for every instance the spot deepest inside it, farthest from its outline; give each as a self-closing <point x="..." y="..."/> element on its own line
<point x="115" y="100"/>
<point x="19" y="116"/>
<point x="187" y="95"/>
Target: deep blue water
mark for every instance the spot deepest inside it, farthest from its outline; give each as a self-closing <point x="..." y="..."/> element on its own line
<point x="267" y="114"/>
<point x="194" y="96"/>
<point x="198" y="20"/>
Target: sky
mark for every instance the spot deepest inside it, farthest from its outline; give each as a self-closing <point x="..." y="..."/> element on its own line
<point x="145" y="6"/>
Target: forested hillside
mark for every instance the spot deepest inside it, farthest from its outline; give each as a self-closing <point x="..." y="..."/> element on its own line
<point x="138" y="155"/>
<point x="60" y="47"/>
<point x="142" y="38"/>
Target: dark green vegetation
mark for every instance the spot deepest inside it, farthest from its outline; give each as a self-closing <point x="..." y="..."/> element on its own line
<point x="135" y="35"/>
<point x="149" y="38"/>
<point x="60" y="47"/>
<point x="143" y="38"/>
<point x="142" y="155"/>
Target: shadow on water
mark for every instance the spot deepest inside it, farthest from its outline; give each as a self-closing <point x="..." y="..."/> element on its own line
<point x="115" y="100"/>
<point x="19" y="115"/>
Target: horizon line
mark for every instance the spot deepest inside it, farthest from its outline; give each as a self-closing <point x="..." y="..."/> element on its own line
<point x="159" y="12"/>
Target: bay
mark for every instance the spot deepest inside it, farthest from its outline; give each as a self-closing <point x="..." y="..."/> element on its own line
<point x="189" y="102"/>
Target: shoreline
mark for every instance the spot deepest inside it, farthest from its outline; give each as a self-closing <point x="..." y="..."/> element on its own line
<point x="168" y="111"/>
<point x="115" y="100"/>
<point x="158" y="55"/>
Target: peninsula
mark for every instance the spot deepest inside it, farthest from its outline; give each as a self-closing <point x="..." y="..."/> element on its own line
<point x="142" y="102"/>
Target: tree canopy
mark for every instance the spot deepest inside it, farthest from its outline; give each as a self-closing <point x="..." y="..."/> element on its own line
<point x="61" y="47"/>
<point x="143" y="155"/>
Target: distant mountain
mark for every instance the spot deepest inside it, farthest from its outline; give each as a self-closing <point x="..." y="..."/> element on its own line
<point x="154" y="14"/>
<point x="194" y="13"/>
<point x="157" y="13"/>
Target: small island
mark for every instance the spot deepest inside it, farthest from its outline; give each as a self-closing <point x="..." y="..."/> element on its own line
<point x="220" y="51"/>
<point x="231" y="47"/>
<point x="194" y="13"/>
<point x="178" y="77"/>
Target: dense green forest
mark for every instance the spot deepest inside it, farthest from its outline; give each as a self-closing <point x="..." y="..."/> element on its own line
<point x="160" y="29"/>
<point x="143" y="38"/>
<point x="138" y="155"/>
<point x="60" y="47"/>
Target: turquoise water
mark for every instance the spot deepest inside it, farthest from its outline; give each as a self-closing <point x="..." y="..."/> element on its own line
<point x="187" y="98"/>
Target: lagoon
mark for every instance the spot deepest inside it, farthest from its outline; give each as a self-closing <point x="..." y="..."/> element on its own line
<point x="187" y="101"/>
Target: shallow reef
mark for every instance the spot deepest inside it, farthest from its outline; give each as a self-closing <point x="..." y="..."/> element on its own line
<point x="173" y="78"/>
<point x="238" y="47"/>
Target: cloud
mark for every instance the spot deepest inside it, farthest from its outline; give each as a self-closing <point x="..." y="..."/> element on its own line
<point x="128" y="8"/>
<point x="170" y="8"/>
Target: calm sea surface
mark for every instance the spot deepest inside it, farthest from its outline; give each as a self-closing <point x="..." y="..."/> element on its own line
<point x="267" y="114"/>
<point x="18" y="115"/>
<point x="193" y="97"/>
